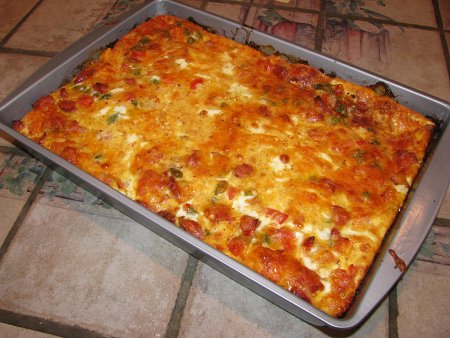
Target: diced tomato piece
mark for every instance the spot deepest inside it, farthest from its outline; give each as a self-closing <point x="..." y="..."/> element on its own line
<point x="17" y="125"/>
<point x="232" y="192"/>
<point x="70" y="154"/>
<point x="404" y="158"/>
<point x="84" y="75"/>
<point x="339" y="215"/>
<point x="167" y="215"/>
<point x="44" y="102"/>
<point x="236" y="245"/>
<point x="130" y="81"/>
<point x="42" y="138"/>
<point x="63" y="93"/>
<point x="197" y="82"/>
<point x="278" y="216"/>
<point x="280" y="71"/>
<point x="300" y="293"/>
<point x="194" y="159"/>
<point x="174" y="187"/>
<point x="136" y="56"/>
<point x="219" y="213"/>
<point x="335" y="234"/>
<point x="283" y="237"/>
<point x="85" y="100"/>
<point x="243" y="170"/>
<point x="101" y="87"/>
<point x="129" y="96"/>
<point x="284" y="158"/>
<point x="192" y="227"/>
<point x="249" y="224"/>
<point x="338" y="90"/>
<point x="67" y="105"/>
<point x="308" y="243"/>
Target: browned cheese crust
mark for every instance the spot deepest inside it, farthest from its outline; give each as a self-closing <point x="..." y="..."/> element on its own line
<point x="292" y="173"/>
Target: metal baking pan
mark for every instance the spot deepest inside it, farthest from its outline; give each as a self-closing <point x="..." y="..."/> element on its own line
<point x="405" y="238"/>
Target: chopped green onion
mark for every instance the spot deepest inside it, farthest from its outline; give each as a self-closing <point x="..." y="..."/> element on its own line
<point x="112" y="118"/>
<point x="376" y="165"/>
<point x="341" y="109"/>
<point x="335" y="120"/>
<point x="105" y="96"/>
<point x="190" y="40"/>
<point x="359" y="155"/>
<point x="366" y="195"/>
<point x="250" y="192"/>
<point x="198" y="35"/>
<point x="326" y="87"/>
<point x="134" y="102"/>
<point x="145" y="40"/>
<point x="191" y="210"/>
<point x="175" y="172"/>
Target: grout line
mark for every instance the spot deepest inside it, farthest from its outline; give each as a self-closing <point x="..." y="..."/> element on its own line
<point x="393" y="314"/>
<point x="381" y="21"/>
<point x="27" y="52"/>
<point x="17" y="26"/>
<point x="177" y="312"/>
<point x="266" y="6"/>
<point x="321" y="21"/>
<point x="13" y="150"/>
<point x="432" y="261"/>
<point x="441" y="222"/>
<point x="23" y="213"/>
<point x="46" y="325"/>
<point x="440" y="24"/>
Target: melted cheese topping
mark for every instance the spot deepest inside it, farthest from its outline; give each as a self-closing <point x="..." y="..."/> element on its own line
<point x="292" y="173"/>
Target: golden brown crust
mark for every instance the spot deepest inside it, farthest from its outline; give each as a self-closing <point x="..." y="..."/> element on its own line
<point x="295" y="174"/>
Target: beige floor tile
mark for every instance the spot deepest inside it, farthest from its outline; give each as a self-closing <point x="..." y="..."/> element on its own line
<point x="232" y="12"/>
<point x="394" y="53"/>
<point x="107" y="275"/>
<point x="8" y="213"/>
<point x="15" y="68"/>
<point x="296" y="27"/>
<point x="419" y="12"/>
<point x="10" y="331"/>
<point x="444" y="7"/>
<point x="223" y="308"/>
<point x="11" y="12"/>
<point x="56" y="24"/>
<point x="423" y="301"/>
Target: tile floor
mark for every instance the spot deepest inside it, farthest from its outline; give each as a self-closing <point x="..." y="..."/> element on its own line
<point x="70" y="265"/>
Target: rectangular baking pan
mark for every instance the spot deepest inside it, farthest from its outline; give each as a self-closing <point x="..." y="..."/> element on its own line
<point x="406" y="237"/>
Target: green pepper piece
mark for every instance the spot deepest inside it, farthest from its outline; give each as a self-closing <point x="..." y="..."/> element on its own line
<point x="221" y="187"/>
